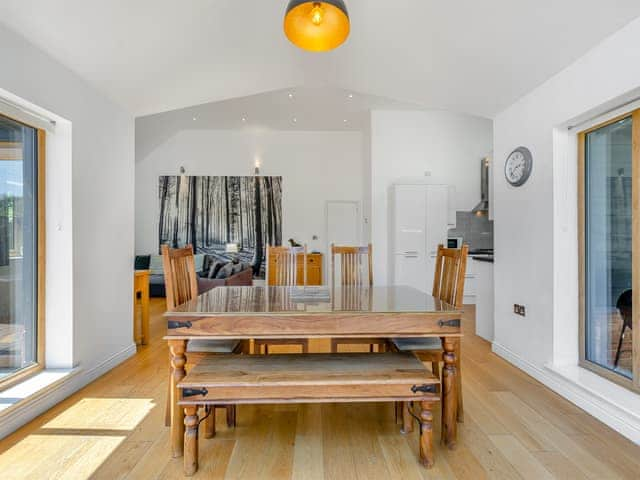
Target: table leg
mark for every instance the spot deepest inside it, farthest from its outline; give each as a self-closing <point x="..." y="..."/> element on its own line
<point x="177" y="350"/>
<point x="449" y="393"/>
<point x="145" y="314"/>
<point x="136" y="329"/>
<point x="459" y="382"/>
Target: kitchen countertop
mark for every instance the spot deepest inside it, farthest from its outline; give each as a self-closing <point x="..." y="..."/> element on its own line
<point x="483" y="258"/>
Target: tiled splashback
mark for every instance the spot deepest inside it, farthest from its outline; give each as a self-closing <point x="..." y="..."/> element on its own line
<point x="475" y="230"/>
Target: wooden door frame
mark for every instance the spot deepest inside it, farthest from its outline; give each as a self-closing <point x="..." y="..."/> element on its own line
<point x="633" y="383"/>
<point x="39" y="365"/>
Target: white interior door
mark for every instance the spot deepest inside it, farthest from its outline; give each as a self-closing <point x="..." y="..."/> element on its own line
<point x="343" y="223"/>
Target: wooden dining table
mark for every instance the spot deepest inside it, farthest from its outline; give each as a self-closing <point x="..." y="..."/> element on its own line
<point x="313" y="312"/>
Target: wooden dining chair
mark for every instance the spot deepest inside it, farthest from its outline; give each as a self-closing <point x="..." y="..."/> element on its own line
<point x="356" y="271"/>
<point x="625" y="307"/>
<point x="181" y="283"/>
<point x="283" y="271"/>
<point x="448" y="286"/>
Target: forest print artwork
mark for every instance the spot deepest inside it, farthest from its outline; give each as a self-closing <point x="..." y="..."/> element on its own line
<point x="209" y="212"/>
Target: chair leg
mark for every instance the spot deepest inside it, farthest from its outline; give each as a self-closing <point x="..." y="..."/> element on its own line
<point x="407" y="419"/>
<point x="426" y="435"/>
<point x="210" y="422"/>
<point x="615" y="363"/>
<point x="191" y="440"/>
<point x="231" y="416"/>
<point x="435" y="368"/>
<point x="167" y="407"/>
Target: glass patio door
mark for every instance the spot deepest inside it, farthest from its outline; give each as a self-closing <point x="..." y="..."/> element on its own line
<point x="609" y="218"/>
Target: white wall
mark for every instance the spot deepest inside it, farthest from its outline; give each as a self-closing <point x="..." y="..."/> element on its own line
<point x="409" y="143"/>
<point x="315" y="166"/>
<point x="90" y="168"/>
<point x="536" y="225"/>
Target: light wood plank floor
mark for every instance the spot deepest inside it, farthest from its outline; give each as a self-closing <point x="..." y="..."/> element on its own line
<point x="514" y="428"/>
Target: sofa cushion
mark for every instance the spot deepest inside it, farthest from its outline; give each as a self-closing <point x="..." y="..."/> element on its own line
<point x="215" y="267"/>
<point x="155" y="265"/>
<point x="226" y="271"/>
<point x="142" y="262"/>
<point x="199" y="261"/>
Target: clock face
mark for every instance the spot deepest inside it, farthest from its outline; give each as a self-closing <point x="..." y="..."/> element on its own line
<point x="517" y="168"/>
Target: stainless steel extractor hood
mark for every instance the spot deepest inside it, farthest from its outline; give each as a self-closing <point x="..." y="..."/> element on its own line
<point x="483" y="206"/>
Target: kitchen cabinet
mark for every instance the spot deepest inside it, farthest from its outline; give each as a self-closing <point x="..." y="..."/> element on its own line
<point x="484" y="298"/>
<point x="419" y="223"/>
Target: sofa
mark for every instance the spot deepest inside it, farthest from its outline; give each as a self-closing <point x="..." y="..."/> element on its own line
<point x="212" y="272"/>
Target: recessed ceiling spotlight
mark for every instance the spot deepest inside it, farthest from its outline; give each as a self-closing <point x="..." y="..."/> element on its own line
<point x="294" y="120"/>
<point x="244" y="119"/>
<point x="195" y="118"/>
<point x="290" y="95"/>
<point x="345" y="120"/>
<point x="350" y="95"/>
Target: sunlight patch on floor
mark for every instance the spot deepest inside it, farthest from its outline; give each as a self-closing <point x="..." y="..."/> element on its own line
<point x="102" y="414"/>
<point x="76" y="442"/>
<point x="58" y="456"/>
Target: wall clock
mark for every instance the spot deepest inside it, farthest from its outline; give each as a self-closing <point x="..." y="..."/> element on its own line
<point x="518" y="166"/>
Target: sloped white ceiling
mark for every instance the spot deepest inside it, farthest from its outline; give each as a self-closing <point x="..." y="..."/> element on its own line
<point x="469" y="56"/>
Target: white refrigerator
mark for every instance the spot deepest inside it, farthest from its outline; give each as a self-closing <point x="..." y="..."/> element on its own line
<point x="420" y="220"/>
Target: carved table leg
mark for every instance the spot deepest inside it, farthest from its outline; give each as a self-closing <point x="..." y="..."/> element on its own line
<point x="178" y="361"/>
<point x="191" y="440"/>
<point x="210" y="422"/>
<point x="426" y="435"/>
<point x="449" y="394"/>
<point x="459" y="383"/>
<point x="407" y="419"/>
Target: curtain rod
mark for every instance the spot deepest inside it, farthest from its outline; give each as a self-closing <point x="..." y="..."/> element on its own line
<point x="606" y="112"/>
<point x="39" y="116"/>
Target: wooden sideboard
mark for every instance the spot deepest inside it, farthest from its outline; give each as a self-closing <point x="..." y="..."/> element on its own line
<point x="314" y="269"/>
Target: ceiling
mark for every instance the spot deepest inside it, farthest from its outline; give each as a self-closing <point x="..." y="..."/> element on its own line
<point x="466" y="56"/>
<point x="301" y="108"/>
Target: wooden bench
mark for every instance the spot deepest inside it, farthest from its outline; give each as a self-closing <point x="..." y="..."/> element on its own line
<point x="312" y="378"/>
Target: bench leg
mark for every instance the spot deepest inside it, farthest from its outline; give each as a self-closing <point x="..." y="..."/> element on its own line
<point x="426" y="435"/>
<point x="407" y="419"/>
<point x="191" y="440"/>
<point x="210" y="422"/>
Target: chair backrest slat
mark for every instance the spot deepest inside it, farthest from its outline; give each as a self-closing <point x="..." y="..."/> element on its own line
<point x="180" y="276"/>
<point x="285" y="262"/>
<point x="356" y="265"/>
<point x="451" y="267"/>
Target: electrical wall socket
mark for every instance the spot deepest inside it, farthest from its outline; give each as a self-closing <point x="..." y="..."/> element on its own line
<point x="519" y="310"/>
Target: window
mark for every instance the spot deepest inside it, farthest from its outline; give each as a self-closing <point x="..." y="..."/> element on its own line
<point x="21" y="249"/>
<point x="609" y="194"/>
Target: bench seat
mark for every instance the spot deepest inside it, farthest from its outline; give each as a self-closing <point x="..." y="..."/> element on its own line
<point x="308" y="378"/>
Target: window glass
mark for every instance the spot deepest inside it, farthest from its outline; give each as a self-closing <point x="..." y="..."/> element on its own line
<point x="608" y="246"/>
<point x="18" y="246"/>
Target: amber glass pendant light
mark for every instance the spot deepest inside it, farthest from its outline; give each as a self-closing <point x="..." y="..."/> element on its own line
<point x="317" y="26"/>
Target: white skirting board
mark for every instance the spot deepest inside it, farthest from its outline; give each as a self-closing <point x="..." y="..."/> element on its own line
<point x="34" y="405"/>
<point x="605" y="409"/>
